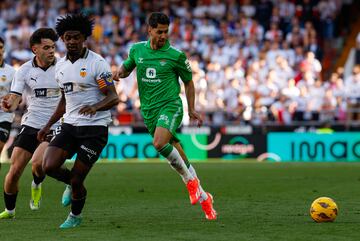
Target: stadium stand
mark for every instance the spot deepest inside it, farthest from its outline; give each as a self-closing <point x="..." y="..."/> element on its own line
<point x="247" y="69"/>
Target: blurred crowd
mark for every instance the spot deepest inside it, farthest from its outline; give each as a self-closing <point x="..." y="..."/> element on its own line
<point x="253" y="61"/>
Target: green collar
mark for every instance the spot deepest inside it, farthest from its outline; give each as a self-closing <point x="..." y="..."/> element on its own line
<point x="163" y="48"/>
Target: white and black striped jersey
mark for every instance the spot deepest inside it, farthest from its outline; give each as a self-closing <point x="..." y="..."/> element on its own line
<point x="79" y="80"/>
<point x="6" y="76"/>
<point x="42" y="92"/>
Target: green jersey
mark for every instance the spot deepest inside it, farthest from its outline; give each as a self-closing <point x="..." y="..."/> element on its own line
<point x="158" y="73"/>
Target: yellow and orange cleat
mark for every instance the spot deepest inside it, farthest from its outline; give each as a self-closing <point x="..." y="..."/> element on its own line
<point x="207" y="207"/>
<point x="194" y="192"/>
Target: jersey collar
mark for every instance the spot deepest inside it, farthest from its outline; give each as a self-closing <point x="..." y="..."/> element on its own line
<point x="83" y="56"/>
<point x="163" y="48"/>
<point x="35" y="65"/>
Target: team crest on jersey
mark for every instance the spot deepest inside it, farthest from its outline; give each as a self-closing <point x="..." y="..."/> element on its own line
<point x="3" y="77"/>
<point x="150" y="73"/>
<point x="162" y="62"/>
<point x="83" y="72"/>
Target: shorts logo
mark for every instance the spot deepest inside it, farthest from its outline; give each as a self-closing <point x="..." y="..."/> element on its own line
<point x="165" y="119"/>
<point x="5" y="132"/>
<point x="88" y="150"/>
<point x="83" y="72"/>
<point x="150" y="73"/>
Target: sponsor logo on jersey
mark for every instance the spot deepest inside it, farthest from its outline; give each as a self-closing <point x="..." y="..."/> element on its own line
<point x="68" y="87"/>
<point x="3" y="77"/>
<point x="151" y="80"/>
<point x="151" y="73"/>
<point x="40" y="92"/>
<point x="140" y="60"/>
<point x="83" y="72"/>
<point x="33" y="79"/>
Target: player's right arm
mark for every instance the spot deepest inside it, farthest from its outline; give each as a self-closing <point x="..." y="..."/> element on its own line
<point x="121" y="73"/>
<point x="59" y="112"/>
<point x="127" y="67"/>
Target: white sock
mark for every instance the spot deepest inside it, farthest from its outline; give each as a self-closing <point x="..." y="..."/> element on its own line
<point x="203" y="195"/>
<point x="75" y="216"/>
<point x="10" y="211"/>
<point x="177" y="163"/>
<point x="34" y="185"/>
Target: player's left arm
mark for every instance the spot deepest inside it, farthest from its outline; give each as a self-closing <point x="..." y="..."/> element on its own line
<point x="107" y="88"/>
<point x="185" y="72"/>
<point x="190" y="97"/>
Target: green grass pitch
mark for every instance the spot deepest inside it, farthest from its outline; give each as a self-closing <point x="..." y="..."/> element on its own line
<point x="148" y="201"/>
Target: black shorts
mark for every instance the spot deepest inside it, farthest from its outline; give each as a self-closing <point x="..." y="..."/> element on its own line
<point x="85" y="141"/>
<point x="27" y="138"/>
<point x="5" y="128"/>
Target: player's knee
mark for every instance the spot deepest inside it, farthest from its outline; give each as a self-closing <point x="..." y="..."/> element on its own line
<point x="158" y="144"/>
<point x="47" y="167"/>
<point x="14" y="175"/>
<point x="36" y="167"/>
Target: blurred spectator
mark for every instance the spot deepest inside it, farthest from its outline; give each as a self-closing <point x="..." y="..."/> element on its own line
<point x="357" y="55"/>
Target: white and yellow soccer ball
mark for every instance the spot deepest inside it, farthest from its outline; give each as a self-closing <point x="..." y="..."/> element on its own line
<point x="323" y="209"/>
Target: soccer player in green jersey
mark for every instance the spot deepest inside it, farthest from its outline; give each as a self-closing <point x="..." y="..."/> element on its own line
<point x="158" y="68"/>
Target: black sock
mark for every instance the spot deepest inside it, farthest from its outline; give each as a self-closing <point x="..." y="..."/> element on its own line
<point x="38" y="180"/>
<point x="77" y="205"/>
<point x="10" y="200"/>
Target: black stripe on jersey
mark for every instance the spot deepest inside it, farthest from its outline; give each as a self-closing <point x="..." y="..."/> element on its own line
<point x="16" y="93"/>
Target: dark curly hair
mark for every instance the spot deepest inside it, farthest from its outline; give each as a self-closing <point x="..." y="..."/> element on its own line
<point x="156" y="18"/>
<point x="43" y="33"/>
<point x="74" y="22"/>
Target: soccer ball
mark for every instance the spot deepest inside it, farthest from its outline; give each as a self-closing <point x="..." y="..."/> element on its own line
<point x="323" y="209"/>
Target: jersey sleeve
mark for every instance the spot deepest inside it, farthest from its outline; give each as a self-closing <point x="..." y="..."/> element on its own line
<point x="130" y="63"/>
<point x="103" y="74"/>
<point x="183" y="68"/>
<point x="18" y="82"/>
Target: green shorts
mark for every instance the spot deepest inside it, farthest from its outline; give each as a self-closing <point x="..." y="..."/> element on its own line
<point x="169" y="117"/>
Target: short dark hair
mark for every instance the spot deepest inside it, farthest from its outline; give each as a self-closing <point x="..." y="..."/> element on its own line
<point x="43" y="33"/>
<point x="2" y="40"/>
<point x="156" y="18"/>
<point x="74" y="22"/>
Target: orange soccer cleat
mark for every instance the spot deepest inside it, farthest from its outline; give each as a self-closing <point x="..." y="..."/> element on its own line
<point x="194" y="192"/>
<point x="207" y="207"/>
